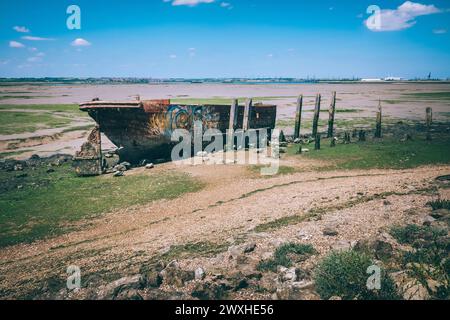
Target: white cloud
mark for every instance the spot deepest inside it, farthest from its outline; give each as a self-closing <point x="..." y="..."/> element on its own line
<point x="15" y="44"/>
<point x="79" y="42"/>
<point x="21" y="29"/>
<point x="226" y="5"/>
<point x="33" y="49"/>
<point x="403" y="17"/>
<point x="270" y="55"/>
<point x="173" y="56"/>
<point x="192" y="52"/>
<point x="40" y="54"/>
<point x="34" y="59"/>
<point x="440" y="31"/>
<point x="32" y="38"/>
<point x="190" y="3"/>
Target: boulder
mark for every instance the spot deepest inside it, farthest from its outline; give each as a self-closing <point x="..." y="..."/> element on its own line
<point x="342" y="245"/>
<point x="153" y="279"/>
<point x="118" y="174"/>
<point x="428" y="220"/>
<point x="410" y="288"/>
<point x="111" y="290"/>
<point x="249" y="247"/>
<point x="149" y="166"/>
<point x="330" y="231"/>
<point x="208" y="291"/>
<point x="175" y="276"/>
<point x="199" y="273"/>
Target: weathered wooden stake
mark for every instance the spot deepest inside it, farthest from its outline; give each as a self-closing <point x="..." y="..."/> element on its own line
<point x="362" y="135"/>
<point x="233" y="124"/>
<point x="429" y="121"/>
<point x="347" y="138"/>
<point x="333" y="142"/>
<point x="378" y="124"/>
<point x="316" y="115"/>
<point x="247" y="114"/>
<point x="331" y="112"/>
<point x="298" y="117"/>
<point x="317" y="142"/>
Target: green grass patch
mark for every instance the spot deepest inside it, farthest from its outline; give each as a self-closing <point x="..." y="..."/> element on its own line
<point x="286" y="255"/>
<point x="49" y="204"/>
<point x="445" y="96"/>
<point x="68" y="108"/>
<point x="386" y="153"/>
<point x="19" y="122"/>
<point x="413" y="234"/>
<point x="439" y="204"/>
<point x="282" y="222"/>
<point x="344" y="274"/>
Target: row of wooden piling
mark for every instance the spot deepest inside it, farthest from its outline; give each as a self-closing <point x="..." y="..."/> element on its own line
<point x="331" y="117"/>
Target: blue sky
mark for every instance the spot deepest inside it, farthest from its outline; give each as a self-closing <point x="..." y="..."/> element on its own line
<point x="230" y="38"/>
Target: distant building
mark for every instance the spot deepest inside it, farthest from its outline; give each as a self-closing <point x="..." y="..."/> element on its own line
<point x="393" y="79"/>
<point x="372" y="80"/>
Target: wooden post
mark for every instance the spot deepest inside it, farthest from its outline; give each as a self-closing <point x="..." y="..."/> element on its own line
<point x="331" y="112"/>
<point x="247" y="114"/>
<point x="298" y="117"/>
<point x="333" y="142"/>
<point x="233" y="124"/>
<point x="347" y="138"/>
<point x="429" y="121"/>
<point x="317" y="142"/>
<point x="378" y="124"/>
<point x="362" y="135"/>
<point x="316" y="115"/>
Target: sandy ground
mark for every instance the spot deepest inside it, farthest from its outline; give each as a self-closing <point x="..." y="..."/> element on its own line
<point x="233" y="203"/>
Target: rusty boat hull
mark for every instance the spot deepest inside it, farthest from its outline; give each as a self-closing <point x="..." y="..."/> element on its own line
<point x="143" y="129"/>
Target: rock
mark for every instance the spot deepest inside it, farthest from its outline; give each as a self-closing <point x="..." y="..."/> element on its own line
<point x="118" y="174"/>
<point x="330" y="231"/>
<point x="208" y="291"/>
<point x="440" y="213"/>
<point x="342" y="245"/>
<point x="299" y="291"/>
<point x="428" y="220"/>
<point x="153" y="279"/>
<point x="297" y="140"/>
<point x="287" y="274"/>
<point x="111" y="290"/>
<point x="335" y="298"/>
<point x="126" y="164"/>
<point x="382" y="249"/>
<point x="174" y="275"/>
<point x="149" y="166"/>
<point x="305" y="150"/>
<point x="131" y="294"/>
<point x="18" y="167"/>
<point x="199" y="273"/>
<point x="410" y="288"/>
<point x="303" y="235"/>
<point x="120" y="167"/>
<point x="249" y="247"/>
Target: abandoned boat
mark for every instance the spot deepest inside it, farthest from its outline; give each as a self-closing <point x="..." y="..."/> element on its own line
<point x="143" y="129"/>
